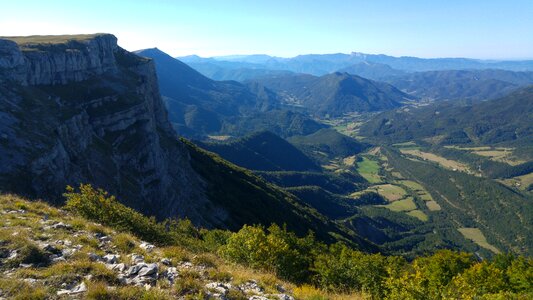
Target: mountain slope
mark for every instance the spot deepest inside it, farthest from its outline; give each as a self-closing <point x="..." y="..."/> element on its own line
<point x="461" y="84"/>
<point x="336" y="94"/>
<point x="283" y="122"/>
<point x="327" y="143"/>
<point x="199" y="104"/>
<point x="507" y="119"/>
<point x="263" y="151"/>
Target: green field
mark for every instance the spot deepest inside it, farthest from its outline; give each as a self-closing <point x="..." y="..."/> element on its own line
<point x="425" y="196"/>
<point x="401" y="205"/>
<point x="477" y="237"/>
<point x="369" y="169"/>
<point x="415" y="186"/>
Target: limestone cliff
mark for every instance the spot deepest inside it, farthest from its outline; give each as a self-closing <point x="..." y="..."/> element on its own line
<point x="81" y="109"/>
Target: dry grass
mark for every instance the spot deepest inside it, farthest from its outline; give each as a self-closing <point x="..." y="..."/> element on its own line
<point x="425" y="196"/>
<point x="477" y="237"/>
<point x="219" y="137"/>
<point x="482" y="148"/>
<point x="389" y="191"/>
<point x="307" y="292"/>
<point x="349" y="161"/>
<point x="397" y="174"/>
<point x="433" y="205"/>
<point x="444" y="162"/>
<point x="49" y="39"/>
<point x="521" y="182"/>
<point x="419" y="215"/>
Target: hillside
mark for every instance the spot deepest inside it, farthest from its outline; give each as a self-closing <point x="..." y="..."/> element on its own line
<point x="96" y="116"/>
<point x="262" y="151"/>
<point x="505" y="120"/>
<point x="96" y="248"/>
<point x="197" y="104"/>
<point x="51" y="253"/>
<point x="282" y="122"/>
<point x="327" y="143"/>
<point x="461" y="84"/>
<point x="336" y="94"/>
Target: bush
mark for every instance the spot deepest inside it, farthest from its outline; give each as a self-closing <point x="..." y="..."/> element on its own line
<point x="428" y="277"/>
<point x="342" y="269"/>
<point x="482" y="278"/>
<point x="215" y="238"/>
<point x="98" y="206"/>
<point x="274" y="250"/>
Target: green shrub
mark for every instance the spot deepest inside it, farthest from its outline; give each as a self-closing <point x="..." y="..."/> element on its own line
<point x="215" y="238"/>
<point x="96" y="205"/>
<point x="274" y="250"/>
<point x="342" y="269"/>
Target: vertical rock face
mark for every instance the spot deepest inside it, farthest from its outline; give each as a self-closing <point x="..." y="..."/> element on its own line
<point x="57" y="60"/>
<point x="12" y="62"/>
<point x="82" y="109"/>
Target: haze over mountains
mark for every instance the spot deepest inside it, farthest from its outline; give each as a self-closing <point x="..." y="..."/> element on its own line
<point x="321" y="64"/>
<point x="428" y="79"/>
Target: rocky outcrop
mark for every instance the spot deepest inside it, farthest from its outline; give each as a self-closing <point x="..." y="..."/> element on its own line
<point x="85" y="110"/>
<point x="57" y="61"/>
<point x="62" y="263"/>
<point x="12" y="62"/>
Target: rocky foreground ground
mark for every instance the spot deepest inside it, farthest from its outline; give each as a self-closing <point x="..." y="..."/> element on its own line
<point x="49" y="253"/>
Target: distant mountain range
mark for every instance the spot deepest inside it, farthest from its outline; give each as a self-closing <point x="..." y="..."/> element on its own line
<point x="321" y="64"/>
<point x="461" y="84"/>
<point x="426" y="79"/>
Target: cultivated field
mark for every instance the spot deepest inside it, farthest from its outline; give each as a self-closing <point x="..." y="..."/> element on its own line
<point x="500" y="154"/>
<point x="369" y="169"/>
<point x="446" y="163"/>
<point x="419" y="215"/>
<point x="522" y="182"/>
<point x="433" y="205"/>
<point x="389" y="191"/>
<point x="477" y="237"/>
<point x="402" y="205"/>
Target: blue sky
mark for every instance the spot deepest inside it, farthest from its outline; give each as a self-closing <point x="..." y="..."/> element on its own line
<point x="425" y="28"/>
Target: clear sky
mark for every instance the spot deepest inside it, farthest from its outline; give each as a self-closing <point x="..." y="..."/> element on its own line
<point x="425" y="28"/>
